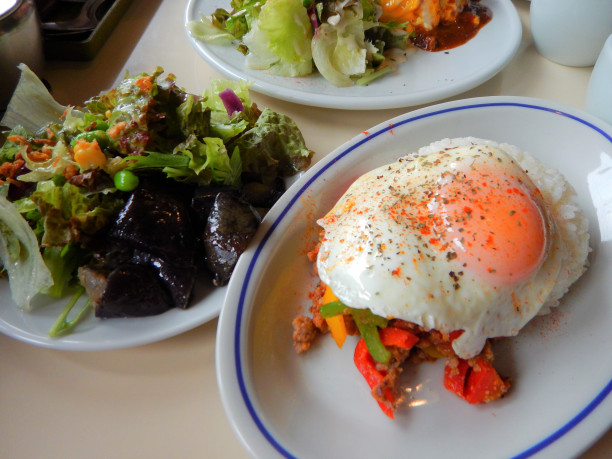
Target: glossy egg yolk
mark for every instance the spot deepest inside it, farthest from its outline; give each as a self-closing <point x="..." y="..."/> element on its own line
<point x="494" y="224"/>
<point x="400" y="10"/>
<point x="420" y="14"/>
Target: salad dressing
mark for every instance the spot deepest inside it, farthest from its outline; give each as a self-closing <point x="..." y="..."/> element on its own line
<point x="451" y="35"/>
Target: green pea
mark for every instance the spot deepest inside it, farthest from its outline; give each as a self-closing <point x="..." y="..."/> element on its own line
<point x="126" y="180"/>
<point x="90" y="136"/>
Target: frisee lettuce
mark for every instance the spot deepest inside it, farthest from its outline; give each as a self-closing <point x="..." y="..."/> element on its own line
<point x="273" y="147"/>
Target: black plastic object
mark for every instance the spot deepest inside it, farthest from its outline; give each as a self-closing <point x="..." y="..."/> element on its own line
<point x="77" y="29"/>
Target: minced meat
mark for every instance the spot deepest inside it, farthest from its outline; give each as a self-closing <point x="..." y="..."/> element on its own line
<point x="304" y="333"/>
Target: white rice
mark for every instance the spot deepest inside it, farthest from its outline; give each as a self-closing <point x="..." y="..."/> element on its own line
<point x="560" y="198"/>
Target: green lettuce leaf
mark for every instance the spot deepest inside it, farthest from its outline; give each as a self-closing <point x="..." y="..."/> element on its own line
<point x="128" y="102"/>
<point x="208" y="162"/>
<point x="69" y="214"/>
<point x="154" y="160"/>
<point x="194" y="117"/>
<point x="339" y="51"/>
<point x="206" y="30"/>
<point x="63" y="263"/>
<point x="27" y="272"/>
<point x="223" y="27"/>
<point x="213" y="101"/>
<point x="279" y="39"/>
<point x="273" y="147"/>
<point x="227" y="131"/>
<point x="9" y="150"/>
<point x="31" y="105"/>
<point x="370" y="11"/>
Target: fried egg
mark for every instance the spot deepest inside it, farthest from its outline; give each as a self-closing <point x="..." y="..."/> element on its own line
<point x="459" y="238"/>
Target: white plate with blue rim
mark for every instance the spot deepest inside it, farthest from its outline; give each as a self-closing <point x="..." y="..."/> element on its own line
<point x="317" y="405"/>
<point x="424" y="77"/>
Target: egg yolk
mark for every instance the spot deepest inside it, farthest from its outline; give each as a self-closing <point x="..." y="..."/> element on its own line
<point x="400" y="10"/>
<point x="422" y="15"/>
<point x="493" y="225"/>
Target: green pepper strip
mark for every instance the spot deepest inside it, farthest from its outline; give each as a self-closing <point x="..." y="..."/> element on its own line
<point x="368" y="325"/>
<point x="335" y="308"/>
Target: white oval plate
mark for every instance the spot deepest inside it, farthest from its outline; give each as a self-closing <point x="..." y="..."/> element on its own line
<point x="424" y="77"/>
<point x="317" y="405"/>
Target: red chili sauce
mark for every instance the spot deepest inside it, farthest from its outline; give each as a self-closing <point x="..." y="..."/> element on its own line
<point x="447" y="36"/>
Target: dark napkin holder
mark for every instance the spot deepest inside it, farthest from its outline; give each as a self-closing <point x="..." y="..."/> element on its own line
<point x="71" y="44"/>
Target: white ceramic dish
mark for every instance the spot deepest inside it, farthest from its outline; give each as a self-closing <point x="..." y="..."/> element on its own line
<point x="96" y="334"/>
<point x="317" y="405"/>
<point x="424" y="77"/>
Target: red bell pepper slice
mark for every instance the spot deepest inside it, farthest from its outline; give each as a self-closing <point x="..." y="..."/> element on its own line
<point x="455" y="378"/>
<point x="367" y="367"/>
<point x="455" y="334"/>
<point x="393" y="336"/>
<point x="484" y="383"/>
<point x="477" y="383"/>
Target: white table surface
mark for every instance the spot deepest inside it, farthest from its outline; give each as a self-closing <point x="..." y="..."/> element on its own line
<point x="161" y="400"/>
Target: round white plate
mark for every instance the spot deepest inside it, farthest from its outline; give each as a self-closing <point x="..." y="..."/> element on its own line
<point x="424" y="77"/>
<point x="317" y="404"/>
<point x="94" y="334"/>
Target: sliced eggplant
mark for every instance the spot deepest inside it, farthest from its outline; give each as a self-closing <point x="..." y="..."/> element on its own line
<point x="202" y="203"/>
<point x="129" y="290"/>
<point x="231" y="225"/>
<point x="152" y="237"/>
<point x="156" y="223"/>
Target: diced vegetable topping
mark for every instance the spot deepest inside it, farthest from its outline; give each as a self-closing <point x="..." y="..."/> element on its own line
<point x="367" y="367"/>
<point x="392" y="336"/>
<point x="336" y="324"/>
<point x="231" y="102"/>
<point x="475" y="381"/>
<point x="88" y="155"/>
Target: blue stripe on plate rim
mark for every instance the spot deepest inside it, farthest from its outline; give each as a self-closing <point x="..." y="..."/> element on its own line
<point x="573" y="422"/>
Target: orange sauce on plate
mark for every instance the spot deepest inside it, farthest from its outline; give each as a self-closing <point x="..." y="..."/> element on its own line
<point x="457" y="33"/>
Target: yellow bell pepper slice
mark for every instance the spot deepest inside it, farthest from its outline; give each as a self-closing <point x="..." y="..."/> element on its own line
<point x="336" y="324"/>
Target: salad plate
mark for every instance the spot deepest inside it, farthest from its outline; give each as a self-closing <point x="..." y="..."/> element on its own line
<point x="424" y="77"/>
<point x="94" y="334"/>
<point x="317" y="405"/>
<point x="123" y="212"/>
